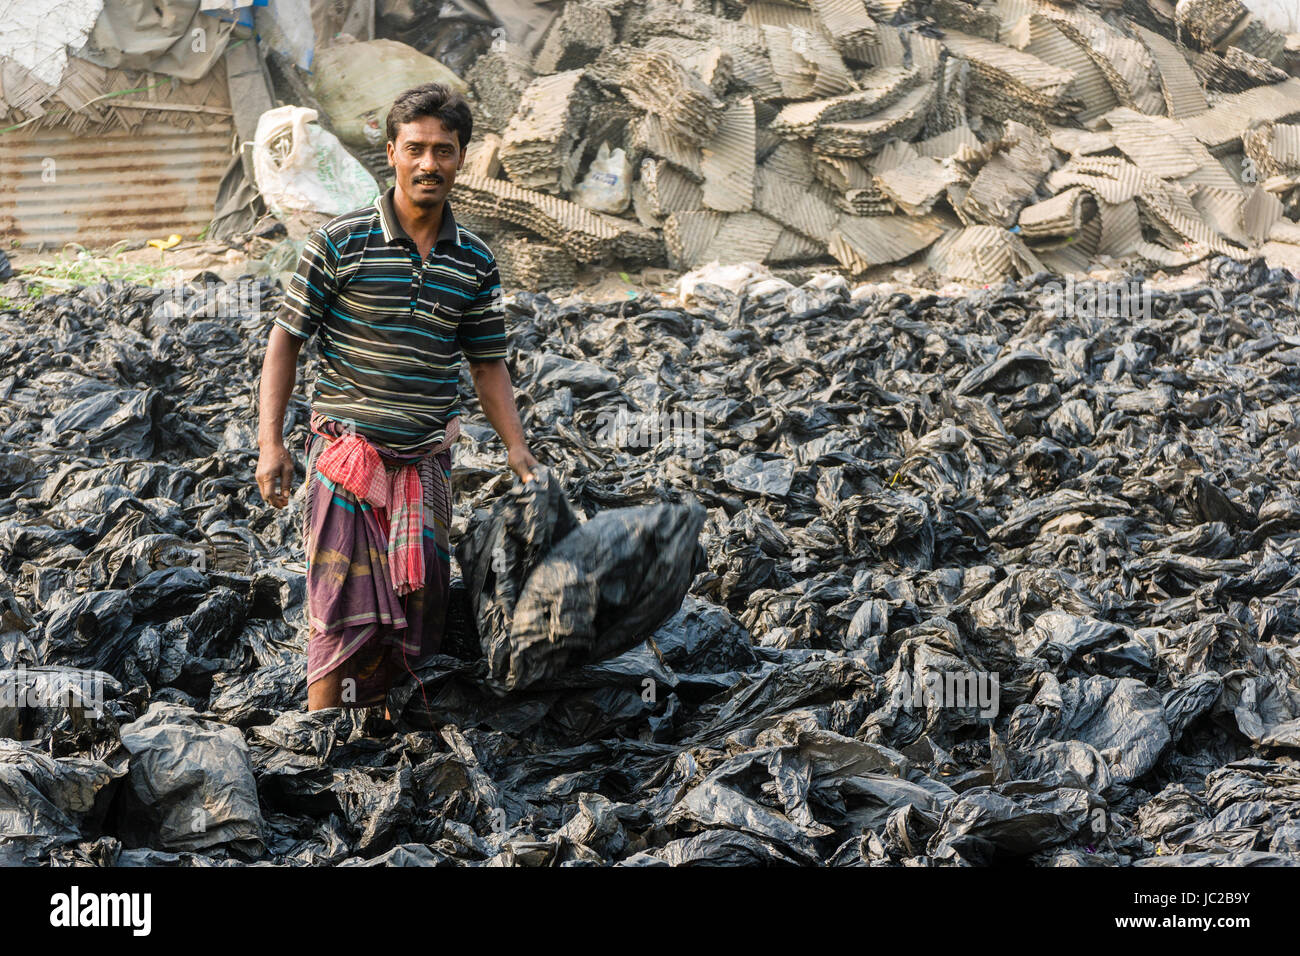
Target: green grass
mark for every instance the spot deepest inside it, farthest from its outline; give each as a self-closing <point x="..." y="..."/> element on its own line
<point x="74" y="266"/>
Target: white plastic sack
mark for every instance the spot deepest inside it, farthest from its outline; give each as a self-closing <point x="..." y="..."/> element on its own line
<point x="737" y="278"/>
<point x="300" y="167"/>
<point x="1280" y="15"/>
<point x="356" y="83"/>
<point x="608" y="185"/>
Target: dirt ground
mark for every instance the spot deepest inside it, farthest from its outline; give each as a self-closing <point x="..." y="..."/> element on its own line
<point x="229" y="262"/>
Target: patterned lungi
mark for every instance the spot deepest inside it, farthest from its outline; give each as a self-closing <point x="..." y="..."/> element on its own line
<point x="357" y="621"/>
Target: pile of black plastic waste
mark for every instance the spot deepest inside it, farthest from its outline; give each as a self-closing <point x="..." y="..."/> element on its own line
<point x="978" y="582"/>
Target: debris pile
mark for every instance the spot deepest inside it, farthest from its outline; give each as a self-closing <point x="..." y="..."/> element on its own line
<point x="983" y="579"/>
<point x="974" y="140"/>
<point x="998" y="139"/>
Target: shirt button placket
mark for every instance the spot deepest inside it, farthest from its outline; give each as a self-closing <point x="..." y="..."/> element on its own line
<point x="417" y="278"/>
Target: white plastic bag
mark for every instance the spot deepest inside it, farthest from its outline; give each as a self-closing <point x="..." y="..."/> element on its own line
<point x="608" y="184"/>
<point x="300" y="167"/>
<point x="738" y="277"/>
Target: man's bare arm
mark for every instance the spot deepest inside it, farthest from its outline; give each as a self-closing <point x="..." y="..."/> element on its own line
<point x="497" y="397"/>
<point x="279" y="373"/>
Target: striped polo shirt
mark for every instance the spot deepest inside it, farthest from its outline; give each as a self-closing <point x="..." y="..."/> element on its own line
<point x="392" y="328"/>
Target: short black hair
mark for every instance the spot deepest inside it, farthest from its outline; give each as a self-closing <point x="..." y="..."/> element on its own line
<point x="432" y="99"/>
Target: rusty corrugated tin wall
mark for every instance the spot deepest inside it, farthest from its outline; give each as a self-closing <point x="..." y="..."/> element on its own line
<point x="112" y="154"/>
<point x="96" y="187"/>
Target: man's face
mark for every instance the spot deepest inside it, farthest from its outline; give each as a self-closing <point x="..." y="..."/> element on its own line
<point x="426" y="157"/>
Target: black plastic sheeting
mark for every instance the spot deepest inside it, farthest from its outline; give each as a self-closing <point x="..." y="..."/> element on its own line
<point x="895" y="493"/>
<point x="550" y="594"/>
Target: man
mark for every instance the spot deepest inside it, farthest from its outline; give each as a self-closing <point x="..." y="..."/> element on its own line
<point x="395" y="292"/>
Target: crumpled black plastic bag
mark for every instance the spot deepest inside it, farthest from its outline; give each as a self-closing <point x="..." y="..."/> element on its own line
<point x="551" y="594"/>
<point x="190" y="785"/>
<point x="1104" y="515"/>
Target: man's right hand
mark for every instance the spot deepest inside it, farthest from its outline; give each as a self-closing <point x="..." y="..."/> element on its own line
<point x="274" y="474"/>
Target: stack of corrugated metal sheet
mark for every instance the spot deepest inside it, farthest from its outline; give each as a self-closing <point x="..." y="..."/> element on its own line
<point x="1124" y="61"/>
<point x="1178" y="81"/>
<point x="902" y="119"/>
<point x="744" y="41"/>
<point x="589" y="236"/>
<point x="806" y="63"/>
<point x="916" y="185"/>
<point x="498" y="79"/>
<point x="1009" y="84"/>
<point x="878" y="90"/>
<point x="861" y="242"/>
<point x="1235" y="71"/>
<point x="1273" y="149"/>
<point x="838" y="130"/>
<point x="526" y="263"/>
<point x="1209" y="21"/>
<point x="1220" y="127"/>
<point x="650" y="135"/>
<point x="815" y="129"/>
<point x="709" y="61"/>
<point x="664" y="190"/>
<point x="538" y="147"/>
<point x="657" y="83"/>
<point x="1007" y="181"/>
<point x="849" y="25"/>
<point x="1059" y="217"/>
<point x="852" y="186"/>
<point x="788" y="192"/>
<point x="575" y="38"/>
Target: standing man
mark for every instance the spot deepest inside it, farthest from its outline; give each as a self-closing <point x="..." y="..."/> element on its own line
<point x="395" y="292"/>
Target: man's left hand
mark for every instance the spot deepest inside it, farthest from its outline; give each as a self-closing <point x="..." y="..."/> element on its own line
<point x="522" y="462"/>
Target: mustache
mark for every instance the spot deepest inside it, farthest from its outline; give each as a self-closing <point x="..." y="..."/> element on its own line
<point x="435" y="179"/>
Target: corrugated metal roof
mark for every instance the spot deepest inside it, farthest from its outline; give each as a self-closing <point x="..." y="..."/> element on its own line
<point x="148" y="183"/>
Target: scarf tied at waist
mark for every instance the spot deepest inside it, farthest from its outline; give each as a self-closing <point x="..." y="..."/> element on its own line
<point x="359" y="467"/>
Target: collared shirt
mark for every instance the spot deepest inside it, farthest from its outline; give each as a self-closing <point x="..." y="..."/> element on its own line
<point x="392" y="327"/>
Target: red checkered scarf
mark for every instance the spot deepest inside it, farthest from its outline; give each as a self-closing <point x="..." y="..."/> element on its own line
<point x="355" y="465"/>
